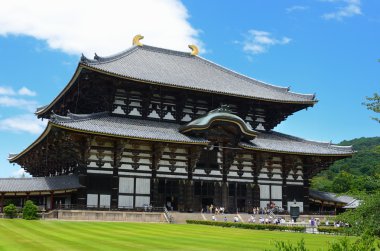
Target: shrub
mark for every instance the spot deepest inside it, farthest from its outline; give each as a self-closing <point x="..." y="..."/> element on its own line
<point x="29" y="212"/>
<point x="10" y="211"/>
<point x="331" y="230"/>
<point x="366" y="242"/>
<point x="287" y="246"/>
<point x="248" y="226"/>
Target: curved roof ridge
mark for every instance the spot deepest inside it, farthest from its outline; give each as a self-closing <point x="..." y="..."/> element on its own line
<point x="255" y="81"/>
<point x="99" y="59"/>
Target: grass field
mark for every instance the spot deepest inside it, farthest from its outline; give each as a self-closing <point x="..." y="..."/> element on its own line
<point x="65" y="235"/>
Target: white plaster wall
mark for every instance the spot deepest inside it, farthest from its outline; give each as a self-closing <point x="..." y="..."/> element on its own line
<point x="264" y="191"/>
<point x="125" y="201"/>
<point x="126" y="185"/>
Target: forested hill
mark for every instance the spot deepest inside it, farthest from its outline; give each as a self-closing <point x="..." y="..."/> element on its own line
<point x="361" y="173"/>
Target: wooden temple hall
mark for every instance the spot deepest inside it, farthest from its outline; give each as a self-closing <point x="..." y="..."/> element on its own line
<point x="152" y="126"/>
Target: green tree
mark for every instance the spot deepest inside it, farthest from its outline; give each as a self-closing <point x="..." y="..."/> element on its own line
<point x="29" y="212"/>
<point x="343" y="182"/>
<point x="10" y="211"/>
<point x="373" y="104"/>
<point x="365" y="218"/>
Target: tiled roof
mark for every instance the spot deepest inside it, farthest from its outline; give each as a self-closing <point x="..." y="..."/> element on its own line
<point x="125" y="127"/>
<point x="332" y="197"/>
<point x="39" y="184"/>
<point x="180" y="69"/>
<point x="279" y="142"/>
<point x="145" y="129"/>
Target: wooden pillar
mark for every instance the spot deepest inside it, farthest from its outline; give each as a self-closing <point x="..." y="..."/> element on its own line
<point x="2" y="202"/>
<point x="154" y="200"/>
<point x="181" y="202"/>
<point x="306" y="186"/>
<point x="52" y="200"/>
<point x="192" y="159"/>
<point x="249" y="200"/>
<point x="27" y="196"/>
<point x="225" y="195"/>
<point x="117" y="156"/>
<point x="217" y="194"/>
<point x="189" y="195"/>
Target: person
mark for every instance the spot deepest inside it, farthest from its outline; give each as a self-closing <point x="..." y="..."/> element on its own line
<point x="213" y="218"/>
<point x="216" y="210"/>
<point x="225" y="218"/>
<point x="261" y="220"/>
<point x="254" y="210"/>
<point x="211" y="208"/>
<point x="221" y="210"/>
<point x="236" y="219"/>
<point x="327" y="223"/>
<point x="312" y="222"/>
<point x="252" y="219"/>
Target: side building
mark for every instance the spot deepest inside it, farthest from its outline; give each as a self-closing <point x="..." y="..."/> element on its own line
<point x="163" y="127"/>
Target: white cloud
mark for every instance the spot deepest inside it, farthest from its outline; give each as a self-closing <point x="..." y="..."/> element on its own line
<point x="4" y="90"/>
<point x="350" y="9"/>
<point x="296" y="8"/>
<point x="20" y="173"/>
<point x="23" y="123"/>
<point x="257" y="42"/>
<point x="26" y="92"/>
<point x="20" y="103"/>
<point x="105" y="27"/>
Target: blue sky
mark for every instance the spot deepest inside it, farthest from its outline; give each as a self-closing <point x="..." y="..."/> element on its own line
<point x="327" y="47"/>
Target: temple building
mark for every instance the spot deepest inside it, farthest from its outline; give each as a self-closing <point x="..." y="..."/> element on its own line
<point x="152" y="126"/>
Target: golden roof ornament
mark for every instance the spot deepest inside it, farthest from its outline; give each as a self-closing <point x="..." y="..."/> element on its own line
<point x="194" y="50"/>
<point x="136" y="40"/>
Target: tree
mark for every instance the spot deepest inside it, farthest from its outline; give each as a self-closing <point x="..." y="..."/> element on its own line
<point x="373" y="104"/>
<point x="365" y="218"/>
<point x="10" y="211"/>
<point x="29" y="212"/>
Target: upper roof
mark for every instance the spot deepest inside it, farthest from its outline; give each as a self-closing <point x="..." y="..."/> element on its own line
<point x="39" y="184"/>
<point x="181" y="69"/>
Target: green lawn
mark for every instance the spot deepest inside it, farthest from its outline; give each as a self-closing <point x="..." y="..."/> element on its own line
<point x="65" y="235"/>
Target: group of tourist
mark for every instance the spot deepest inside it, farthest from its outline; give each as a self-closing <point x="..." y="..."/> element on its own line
<point x="267" y="220"/>
<point x="265" y="210"/>
<point x="211" y="210"/>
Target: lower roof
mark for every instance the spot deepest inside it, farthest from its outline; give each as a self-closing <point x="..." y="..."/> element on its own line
<point x="106" y="125"/>
<point x="330" y="197"/>
<point x="39" y="184"/>
<point x="145" y="129"/>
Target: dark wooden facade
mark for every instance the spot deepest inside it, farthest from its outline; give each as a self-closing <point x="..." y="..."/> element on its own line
<point x="127" y="171"/>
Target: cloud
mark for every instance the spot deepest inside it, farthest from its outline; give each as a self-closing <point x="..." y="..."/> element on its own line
<point x="296" y="8"/>
<point x="20" y="173"/>
<point x="25" y="91"/>
<point x="20" y="103"/>
<point x="105" y="27"/>
<point x="6" y="90"/>
<point x="257" y="42"/>
<point x="350" y="9"/>
<point x="23" y="123"/>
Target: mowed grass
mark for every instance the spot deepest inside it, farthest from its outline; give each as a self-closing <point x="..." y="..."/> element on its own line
<point x="70" y="235"/>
